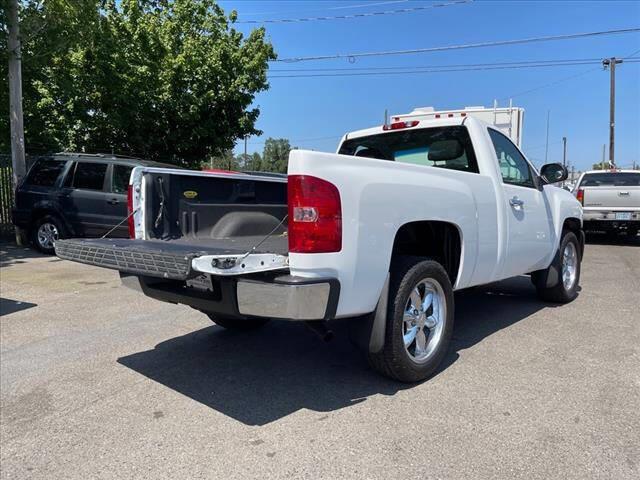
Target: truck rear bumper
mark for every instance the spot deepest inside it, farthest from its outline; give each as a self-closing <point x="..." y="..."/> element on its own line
<point x="169" y="271"/>
<point x="283" y="297"/>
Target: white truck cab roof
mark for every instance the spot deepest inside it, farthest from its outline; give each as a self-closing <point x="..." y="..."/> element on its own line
<point x="508" y="120"/>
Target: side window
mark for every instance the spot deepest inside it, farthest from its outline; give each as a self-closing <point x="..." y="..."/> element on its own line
<point x="88" y="176"/>
<point x="513" y="166"/>
<point x="45" y="173"/>
<point x="120" y="181"/>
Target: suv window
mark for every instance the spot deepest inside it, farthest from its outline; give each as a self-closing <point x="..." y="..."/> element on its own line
<point x="443" y="147"/>
<point x="120" y="181"/>
<point x="513" y="166"/>
<point x="45" y="173"/>
<point x="87" y="176"/>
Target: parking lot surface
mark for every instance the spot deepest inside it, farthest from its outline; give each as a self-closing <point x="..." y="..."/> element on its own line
<point x="98" y="381"/>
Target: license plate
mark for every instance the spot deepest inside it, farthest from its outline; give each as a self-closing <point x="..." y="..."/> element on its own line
<point x="201" y="282"/>
<point x="623" y="215"/>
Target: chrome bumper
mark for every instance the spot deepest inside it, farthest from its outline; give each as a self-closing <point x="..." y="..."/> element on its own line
<point x="288" y="298"/>
<point x="282" y="297"/>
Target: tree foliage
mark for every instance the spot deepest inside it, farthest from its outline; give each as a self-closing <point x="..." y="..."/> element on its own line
<point x="161" y="79"/>
<point x="275" y="155"/>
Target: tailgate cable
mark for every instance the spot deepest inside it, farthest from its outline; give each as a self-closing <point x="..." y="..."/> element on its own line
<point x="253" y="249"/>
<point x="121" y="222"/>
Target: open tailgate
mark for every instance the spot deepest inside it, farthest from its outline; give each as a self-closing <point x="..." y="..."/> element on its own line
<point x="175" y="260"/>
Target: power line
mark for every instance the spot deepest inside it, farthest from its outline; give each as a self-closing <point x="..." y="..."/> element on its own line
<point x="341" y="7"/>
<point x="353" y="56"/>
<point x="571" y="77"/>
<point x="437" y="70"/>
<point x="356" y="15"/>
<point x="461" y="65"/>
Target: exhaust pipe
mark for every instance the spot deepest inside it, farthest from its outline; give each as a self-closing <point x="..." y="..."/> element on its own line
<point x="320" y="328"/>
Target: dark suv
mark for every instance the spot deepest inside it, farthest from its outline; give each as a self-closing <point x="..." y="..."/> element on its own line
<point x="74" y="195"/>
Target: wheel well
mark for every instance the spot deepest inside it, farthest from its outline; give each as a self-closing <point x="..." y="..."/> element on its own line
<point x="438" y="240"/>
<point x="574" y="225"/>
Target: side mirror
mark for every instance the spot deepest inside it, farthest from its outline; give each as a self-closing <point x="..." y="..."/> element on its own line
<point x="553" y="173"/>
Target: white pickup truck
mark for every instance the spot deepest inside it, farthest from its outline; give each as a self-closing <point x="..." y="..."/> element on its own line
<point x="384" y="230"/>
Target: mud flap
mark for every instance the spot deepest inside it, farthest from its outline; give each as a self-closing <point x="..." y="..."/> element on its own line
<point x="368" y="332"/>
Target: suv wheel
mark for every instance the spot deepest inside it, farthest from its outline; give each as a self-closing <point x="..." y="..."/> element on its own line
<point x="419" y="320"/>
<point x="45" y="232"/>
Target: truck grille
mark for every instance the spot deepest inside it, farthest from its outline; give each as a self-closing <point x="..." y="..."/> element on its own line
<point x="162" y="265"/>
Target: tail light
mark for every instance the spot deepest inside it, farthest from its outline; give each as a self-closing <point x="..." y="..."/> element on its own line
<point x="315" y="215"/>
<point x="400" y="125"/>
<point x="130" y="222"/>
<point x="580" y="196"/>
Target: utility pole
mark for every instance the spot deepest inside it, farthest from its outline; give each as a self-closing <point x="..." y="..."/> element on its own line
<point x="15" y="93"/>
<point x="564" y="152"/>
<point x="546" y="148"/>
<point x="15" y="100"/>
<point x="604" y="146"/>
<point x="611" y="63"/>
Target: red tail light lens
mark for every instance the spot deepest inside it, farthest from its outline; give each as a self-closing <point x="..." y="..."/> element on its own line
<point x="400" y="125"/>
<point x="131" y="224"/>
<point x="580" y="196"/>
<point x="315" y="215"/>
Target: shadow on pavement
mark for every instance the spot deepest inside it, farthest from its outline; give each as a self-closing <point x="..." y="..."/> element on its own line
<point x="262" y="376"/>
<point x="12" y="254"/>
<point x="594" y="238"/>
<point x="8" y="306"/>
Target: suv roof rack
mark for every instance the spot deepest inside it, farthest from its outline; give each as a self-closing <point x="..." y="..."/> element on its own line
<point x="99" y="155"/>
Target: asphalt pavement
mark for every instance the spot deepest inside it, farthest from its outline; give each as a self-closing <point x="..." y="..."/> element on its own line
<point x="97" y="381"/>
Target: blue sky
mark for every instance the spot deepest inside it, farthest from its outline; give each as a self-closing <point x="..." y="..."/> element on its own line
<point x="314" y="112"/>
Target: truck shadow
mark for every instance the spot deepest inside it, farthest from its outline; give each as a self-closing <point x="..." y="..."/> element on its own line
<point x="597" y="238"/>
<point x="259" y="377"/>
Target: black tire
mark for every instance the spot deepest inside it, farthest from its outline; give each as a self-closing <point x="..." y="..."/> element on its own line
<point x="394" y="360"/>
<point x="549" y="282"/>
<point x="237" y="324"/>
<point x="43" y="245"/>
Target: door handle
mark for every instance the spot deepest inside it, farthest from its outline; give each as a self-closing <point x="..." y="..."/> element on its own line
<point x="516" y="202"/>
<point x="113" y="201"/>
<point x="623" y="194"/>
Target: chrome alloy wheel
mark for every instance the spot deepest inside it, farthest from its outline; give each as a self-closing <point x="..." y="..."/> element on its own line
<point x="47" y="235"/>
<point x="569" y="265"/>
<point x="423" y="321"/>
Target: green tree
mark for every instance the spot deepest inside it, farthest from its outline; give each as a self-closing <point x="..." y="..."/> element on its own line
<point x="222" y="161"/>
<point x="169" y="80"/>
<point x="275" y="155"/>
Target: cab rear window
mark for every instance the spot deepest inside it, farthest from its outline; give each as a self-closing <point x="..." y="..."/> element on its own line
<point x="442" y="147"/>
<point x="611" y="179"/>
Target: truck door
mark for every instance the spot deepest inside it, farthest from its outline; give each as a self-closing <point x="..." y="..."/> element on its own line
<point x="528" y="219"/>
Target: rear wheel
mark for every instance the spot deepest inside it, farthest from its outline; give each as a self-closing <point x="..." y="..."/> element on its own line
<point x="559" y="282"/>
<point x="239" y="324"/>
<point x="419" y="320"/>
<point x="45" y="232"/>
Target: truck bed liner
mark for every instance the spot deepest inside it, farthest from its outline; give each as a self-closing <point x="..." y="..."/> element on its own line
<point x="161" y="258"/>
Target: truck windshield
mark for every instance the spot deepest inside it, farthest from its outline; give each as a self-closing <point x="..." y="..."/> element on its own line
<point x="611" y="179"/>
<point x="443" y="147"/>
